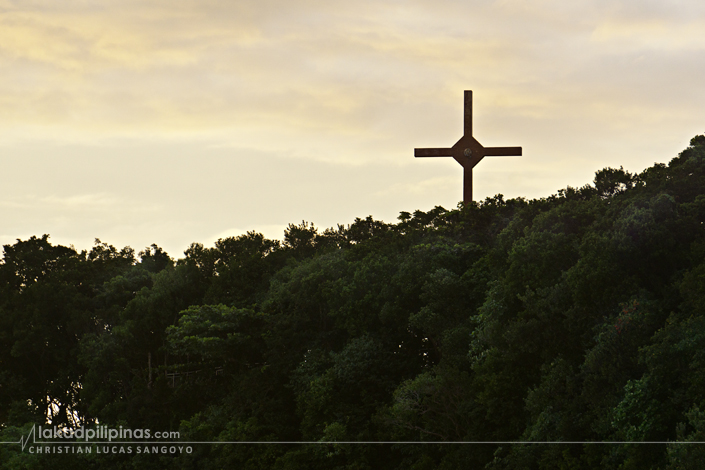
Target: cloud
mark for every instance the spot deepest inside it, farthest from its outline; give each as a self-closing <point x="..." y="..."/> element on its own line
<point x="425" y="186"/>
<point x="97" y="203"/>
<point x="308" y="68"/>
<point x="204" y="65"/>
<point x="200" y="103"/>
<point x="652" y="34"/>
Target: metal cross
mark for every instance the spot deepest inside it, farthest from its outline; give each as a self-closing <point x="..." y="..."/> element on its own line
<point x="468" y="151"/>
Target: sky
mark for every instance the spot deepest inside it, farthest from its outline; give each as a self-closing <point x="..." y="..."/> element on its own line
<point x="180" y="121"/>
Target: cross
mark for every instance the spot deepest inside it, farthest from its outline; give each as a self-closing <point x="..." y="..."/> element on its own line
<point x="468" y="151"/>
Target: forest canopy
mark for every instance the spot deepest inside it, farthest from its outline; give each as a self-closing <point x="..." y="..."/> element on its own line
<point x="579" y="317"/>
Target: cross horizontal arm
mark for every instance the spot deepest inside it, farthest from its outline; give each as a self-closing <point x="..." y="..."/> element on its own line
<point x="502" y="151"/>
<point x="433" y="152"/>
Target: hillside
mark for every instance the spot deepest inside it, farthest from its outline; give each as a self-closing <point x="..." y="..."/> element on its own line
<point x="578" y="317"/>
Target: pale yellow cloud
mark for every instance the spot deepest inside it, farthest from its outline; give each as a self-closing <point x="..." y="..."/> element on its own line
<point x="424" y="187"/>
<point x="199" y="64"/>
<point x="72" y="35"/>
<point x="169" y="121"/>
<point x="654" y="33"/>
<point x="313" y="79"/>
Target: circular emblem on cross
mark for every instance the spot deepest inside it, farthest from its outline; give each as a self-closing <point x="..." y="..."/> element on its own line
<point x="467" y="152"/>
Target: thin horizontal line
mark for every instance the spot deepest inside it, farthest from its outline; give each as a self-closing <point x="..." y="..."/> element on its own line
<point x="359" y="442"/>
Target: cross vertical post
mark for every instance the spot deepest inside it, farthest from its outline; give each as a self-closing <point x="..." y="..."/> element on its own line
<point x="467" y="151"/>
<point x="467" y="120"/>
<point x="467" y="183"/>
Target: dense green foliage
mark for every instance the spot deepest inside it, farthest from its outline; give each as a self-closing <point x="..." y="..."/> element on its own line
<point x="578" y="317"/>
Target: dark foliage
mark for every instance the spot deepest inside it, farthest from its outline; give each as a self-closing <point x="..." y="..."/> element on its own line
<point x="575" y="318"/>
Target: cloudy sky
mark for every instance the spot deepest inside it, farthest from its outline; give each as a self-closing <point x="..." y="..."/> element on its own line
<point x="179" y="121"/>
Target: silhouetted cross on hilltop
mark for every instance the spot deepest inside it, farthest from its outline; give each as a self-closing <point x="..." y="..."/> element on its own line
<point x="468" y="151"/>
